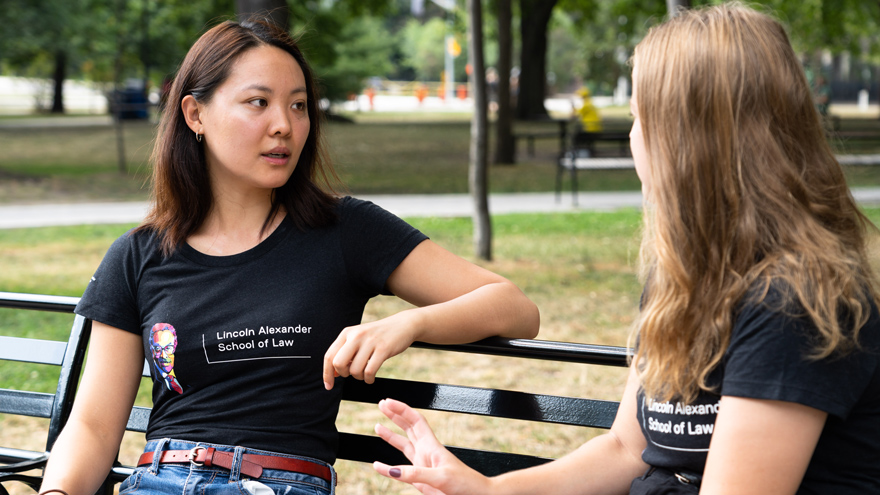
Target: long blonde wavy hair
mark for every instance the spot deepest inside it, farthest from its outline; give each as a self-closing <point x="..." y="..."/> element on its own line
<point x="745" y="191"/>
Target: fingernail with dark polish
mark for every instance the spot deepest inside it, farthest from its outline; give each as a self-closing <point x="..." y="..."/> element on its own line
<point x="394" y="472"/>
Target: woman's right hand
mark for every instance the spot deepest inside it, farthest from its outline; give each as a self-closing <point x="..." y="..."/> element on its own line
<point x="434" y="470"/>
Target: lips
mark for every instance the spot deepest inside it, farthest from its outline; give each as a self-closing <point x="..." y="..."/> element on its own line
<point x="277" y="156"/>
<point x="278" y="152"/>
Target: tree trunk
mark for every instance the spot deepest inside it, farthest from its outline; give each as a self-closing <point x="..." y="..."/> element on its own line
<point x="504" y="143"/>
<point x="275" y="10"/>
<point x="534" y="18"/>
<point x="478" y="177"/>
<point x="58" y="77"/>
<point x="121" y="6"/>
<point x="673" y="6"/>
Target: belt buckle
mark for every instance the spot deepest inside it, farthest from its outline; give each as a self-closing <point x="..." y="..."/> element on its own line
<point x="194" y="454"/>
<point x="683" y="479"/>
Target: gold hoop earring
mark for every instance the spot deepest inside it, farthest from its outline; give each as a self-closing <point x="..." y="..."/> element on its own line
<point x="198" y="137"/>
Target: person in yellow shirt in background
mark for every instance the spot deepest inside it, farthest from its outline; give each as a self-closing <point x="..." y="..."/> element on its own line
<point x="587" y="114"/>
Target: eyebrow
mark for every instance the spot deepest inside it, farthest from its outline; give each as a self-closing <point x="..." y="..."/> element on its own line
<point x="266" y="89"/>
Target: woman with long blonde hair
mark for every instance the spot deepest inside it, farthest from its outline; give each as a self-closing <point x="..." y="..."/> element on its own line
<point x="756" y="362"/>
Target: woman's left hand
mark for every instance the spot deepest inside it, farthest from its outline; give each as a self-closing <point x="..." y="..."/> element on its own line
<point x="360" y="350"/>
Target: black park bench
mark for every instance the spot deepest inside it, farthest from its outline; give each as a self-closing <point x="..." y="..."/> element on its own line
<point x="582" y="154"/>
<point x="561" y="134"/>
<point x="25" y="466"/>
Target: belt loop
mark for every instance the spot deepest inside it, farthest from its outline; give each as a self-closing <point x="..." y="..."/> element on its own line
<point x="235" y="469"/>
<point x="332" y="480"/>
<point x="157" y="455"/>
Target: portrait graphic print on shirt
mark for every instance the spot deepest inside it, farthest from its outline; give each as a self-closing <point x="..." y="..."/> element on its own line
<point x="163" y="344"/>
<point x="680" y="427"/>
<point x="290" y="341"/>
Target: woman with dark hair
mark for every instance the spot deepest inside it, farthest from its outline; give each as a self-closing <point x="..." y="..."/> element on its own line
<point x="757" y="351"/>
<point x="245" y="288"/>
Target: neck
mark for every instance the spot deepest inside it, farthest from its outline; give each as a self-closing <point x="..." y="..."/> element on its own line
<point x="235" y="224"/>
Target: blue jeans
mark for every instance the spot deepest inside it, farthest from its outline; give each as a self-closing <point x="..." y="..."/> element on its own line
<point x="191" y="479"/>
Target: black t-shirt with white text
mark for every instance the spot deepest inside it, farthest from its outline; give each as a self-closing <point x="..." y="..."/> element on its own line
<point x="768" y="359"/>
<point x="236" y="343"/>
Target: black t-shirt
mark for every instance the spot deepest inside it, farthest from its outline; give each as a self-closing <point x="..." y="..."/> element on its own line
<point x="236" y="343"/>
<point x="767" y="359"/>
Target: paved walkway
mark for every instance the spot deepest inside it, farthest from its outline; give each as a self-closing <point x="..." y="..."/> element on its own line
<point x="404" y="205"/>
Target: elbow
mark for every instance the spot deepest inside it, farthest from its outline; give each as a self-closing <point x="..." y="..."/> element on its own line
<point x="528" y="318"/>
<point x="532" y="321"/>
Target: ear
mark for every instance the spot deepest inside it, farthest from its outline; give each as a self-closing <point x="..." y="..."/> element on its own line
<point x="191" y="113"/>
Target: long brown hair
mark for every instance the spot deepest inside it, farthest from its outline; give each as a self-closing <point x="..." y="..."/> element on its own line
<point x="182" y="194"/>
<point x="745" y="192"/>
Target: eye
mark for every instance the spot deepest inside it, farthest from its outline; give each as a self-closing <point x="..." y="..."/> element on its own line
<point x="259" y="102"/>
<point x="300" y="105"/>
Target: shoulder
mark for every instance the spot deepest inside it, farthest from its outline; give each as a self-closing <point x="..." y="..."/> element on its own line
<point x="135" y="247"/>
<point x="775" y="307"/>
<point x="360" y="214"/>
<point x="349" y="206"/>
<point x="772" y="355"/>
<point x="136" y="240"/>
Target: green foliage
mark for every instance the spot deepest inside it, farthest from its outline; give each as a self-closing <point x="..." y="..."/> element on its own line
<point x="33" y="27"/>
<point x="103" y="39"/>
<point x="422" y="46"/>
<point x="590" y="41"/>
<point x="344" y="54"/>
<point x="592" y="38"/>
<point x="349" y="41"/>
<point x="837" y="25"/>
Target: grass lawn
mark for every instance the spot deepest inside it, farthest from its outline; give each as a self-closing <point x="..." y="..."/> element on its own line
<point x="375" y="157"/>
<point x="380" y="154"/>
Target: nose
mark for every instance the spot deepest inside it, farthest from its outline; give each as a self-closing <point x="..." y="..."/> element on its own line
<point x="280" y="124"/>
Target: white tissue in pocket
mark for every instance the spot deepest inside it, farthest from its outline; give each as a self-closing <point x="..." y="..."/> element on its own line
<point x="256" y="488"/>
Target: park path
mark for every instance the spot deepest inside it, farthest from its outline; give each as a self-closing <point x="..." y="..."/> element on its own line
<point x="403" y="205"/>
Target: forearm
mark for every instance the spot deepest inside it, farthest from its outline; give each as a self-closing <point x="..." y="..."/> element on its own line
<point x="495" y="309"/>
<point x="602" y="465"/>
<point x="81" y="459"/>
<point x="85" y="450"/>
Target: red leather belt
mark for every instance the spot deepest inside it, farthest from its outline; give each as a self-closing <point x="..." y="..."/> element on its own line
<point x="252" y="465"/>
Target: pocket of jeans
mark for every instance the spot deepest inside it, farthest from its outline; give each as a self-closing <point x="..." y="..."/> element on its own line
<point x="273" y="487"/>
<point x="256" y="488"/>
<point x="131" y="483"/>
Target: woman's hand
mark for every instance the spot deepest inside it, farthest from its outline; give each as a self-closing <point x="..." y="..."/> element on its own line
<point x="360" y="350"/>
<point x="435" y="471"/>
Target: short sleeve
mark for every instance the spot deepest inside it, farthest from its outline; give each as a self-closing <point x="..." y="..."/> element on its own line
<point x="768" y="358"/>
<point x="374" y="243"/>
<point x="111" y="296"/>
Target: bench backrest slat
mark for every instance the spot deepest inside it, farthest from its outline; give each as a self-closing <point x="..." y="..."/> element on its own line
<point x="32" y="350"/>
<point x="138" y="419"/>
<point x="486" y="402"/>
<point x="567" y="352"/>
<point x="365" y="448"/>
<point x="34" y="404"/>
